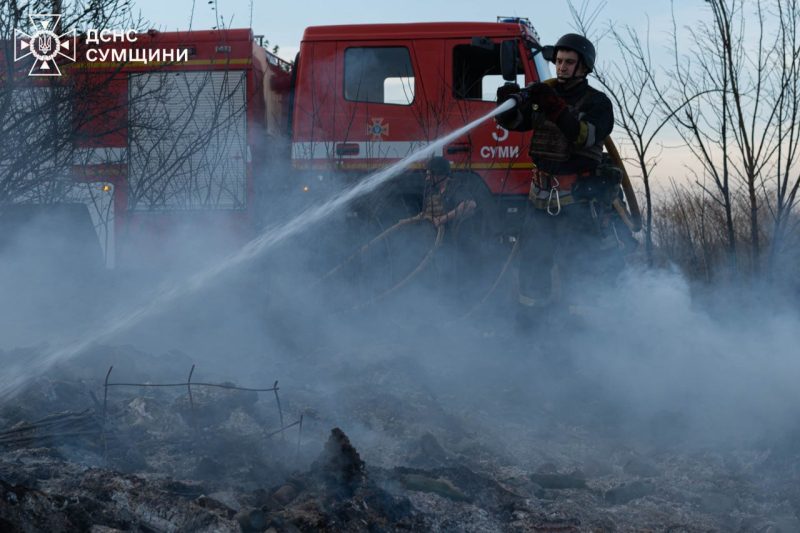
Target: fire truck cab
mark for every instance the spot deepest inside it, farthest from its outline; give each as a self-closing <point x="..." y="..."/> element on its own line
<point x="368" y="95"/>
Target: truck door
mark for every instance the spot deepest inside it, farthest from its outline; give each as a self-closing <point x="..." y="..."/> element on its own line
<point x="498" y="156"/>
<point x="375" y="110"/>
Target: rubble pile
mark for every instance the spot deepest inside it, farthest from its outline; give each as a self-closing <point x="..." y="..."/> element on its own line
<point x="400" y="457"/>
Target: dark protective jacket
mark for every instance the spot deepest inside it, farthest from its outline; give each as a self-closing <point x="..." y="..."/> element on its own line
<point x="436" y="203"/>
<point x="575" y="142"/>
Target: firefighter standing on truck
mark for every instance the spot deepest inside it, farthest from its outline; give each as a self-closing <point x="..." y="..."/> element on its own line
<point x="568" y="221"/>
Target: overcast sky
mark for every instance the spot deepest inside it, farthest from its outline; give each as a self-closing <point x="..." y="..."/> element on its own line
<point x="282" y="23"/>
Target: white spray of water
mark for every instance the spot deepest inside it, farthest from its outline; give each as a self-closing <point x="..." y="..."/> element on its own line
<point x="17" y="376"/>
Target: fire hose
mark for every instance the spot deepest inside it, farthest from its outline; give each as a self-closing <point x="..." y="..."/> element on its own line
<point x="497" y="280"/>
<point x="420" y="267"/>
<point x="381" y="237"/>
<point x="364" y="248"/>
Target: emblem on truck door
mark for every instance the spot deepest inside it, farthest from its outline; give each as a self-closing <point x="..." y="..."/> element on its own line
<point x="378" y="129"/>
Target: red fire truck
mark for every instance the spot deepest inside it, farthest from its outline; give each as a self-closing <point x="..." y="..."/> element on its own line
<point x="221" y="140"/>
<point x="367" y="95"/>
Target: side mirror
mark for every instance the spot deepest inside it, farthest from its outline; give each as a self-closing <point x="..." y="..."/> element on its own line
<point x="509" y="59"/>
<point x="549" y="53"/>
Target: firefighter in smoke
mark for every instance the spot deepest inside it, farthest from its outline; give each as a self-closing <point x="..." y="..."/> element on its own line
<point x="442" y="203"/>
<point x="445" y="203"/>
<point x="570" y="220"/>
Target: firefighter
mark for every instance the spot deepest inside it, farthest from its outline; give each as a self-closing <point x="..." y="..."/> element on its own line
<point x="446" y="203"/>
<point x="442" y="203"/>
<point x="568" y="220"/>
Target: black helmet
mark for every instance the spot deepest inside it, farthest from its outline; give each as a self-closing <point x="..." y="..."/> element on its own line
<point x="581" y="45"/>
<point x="439" y="166"/>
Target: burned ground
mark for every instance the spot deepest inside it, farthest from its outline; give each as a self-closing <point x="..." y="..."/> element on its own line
<point x="651" y="413"/>
<point x="490" y="438"/>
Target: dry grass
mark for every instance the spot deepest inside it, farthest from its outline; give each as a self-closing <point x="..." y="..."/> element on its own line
<point x="689" y="230"/>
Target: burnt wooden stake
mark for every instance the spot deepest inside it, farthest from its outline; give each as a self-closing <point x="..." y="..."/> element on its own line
<point x="105" y="410"/>
<point x="191" y="399"/>
<point x="299" y="438"/>
<point x="278" y="401"/>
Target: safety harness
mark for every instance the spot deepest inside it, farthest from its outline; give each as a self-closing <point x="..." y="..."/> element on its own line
<point x="599" y="189"/>
<point x="551" y="192"/>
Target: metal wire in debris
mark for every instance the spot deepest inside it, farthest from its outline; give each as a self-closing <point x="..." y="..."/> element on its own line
<point x="189" y="384"/>
<point x="193" y="384"/>
<point x="281" y="430"/>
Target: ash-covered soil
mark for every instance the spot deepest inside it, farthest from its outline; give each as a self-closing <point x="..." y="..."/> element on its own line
<point x="476" y="435"/>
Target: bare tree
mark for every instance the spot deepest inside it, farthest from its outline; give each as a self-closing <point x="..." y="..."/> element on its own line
<point x="36" y="117"/>
<point x="732" y="93"/>
<point x="703" y="124"/>
<point x="631" y="84"/>
<point x="178" y="140"/>
<point x="741" y="126"/>
<point x="783" y="198"/>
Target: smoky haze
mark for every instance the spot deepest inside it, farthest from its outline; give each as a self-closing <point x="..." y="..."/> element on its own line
<point x="651" y="363"/>
<point x="269" y="238"/>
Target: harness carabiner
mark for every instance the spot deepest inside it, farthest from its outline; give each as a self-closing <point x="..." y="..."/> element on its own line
<point x="553" y="193"/>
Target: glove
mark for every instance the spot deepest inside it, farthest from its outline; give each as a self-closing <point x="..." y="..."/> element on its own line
<point x="504" y="92"/>
<point x="507" y="92"/>
<point x="548" y="101"/>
